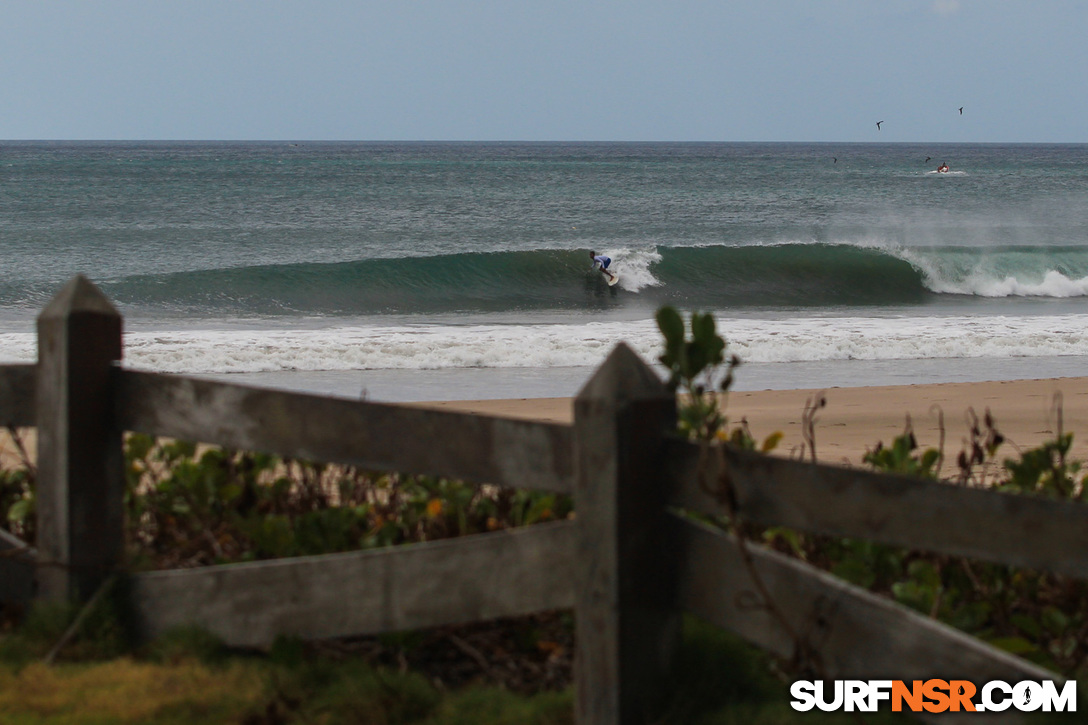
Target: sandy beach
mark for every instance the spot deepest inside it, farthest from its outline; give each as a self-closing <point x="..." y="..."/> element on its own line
<point x="854" y="419"/>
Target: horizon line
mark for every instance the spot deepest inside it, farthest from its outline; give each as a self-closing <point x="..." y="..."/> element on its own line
<point x="516" y="141"/>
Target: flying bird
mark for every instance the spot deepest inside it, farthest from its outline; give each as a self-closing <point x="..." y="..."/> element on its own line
<point x="961" y="110"/>
<point x="878" y="125"/>
<point x="928" y="158"/>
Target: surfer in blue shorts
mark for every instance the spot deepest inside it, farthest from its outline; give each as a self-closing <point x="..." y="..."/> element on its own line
<point x="601" y="262"/>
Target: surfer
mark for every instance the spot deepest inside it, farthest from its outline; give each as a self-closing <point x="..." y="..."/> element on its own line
<point x="601" y="262"/>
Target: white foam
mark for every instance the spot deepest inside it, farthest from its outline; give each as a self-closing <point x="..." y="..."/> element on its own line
<point x="633" y="266"/>
<point x="1053" y="284"/>
<point x="420" y="347"/>
<point x="978" y="278"/>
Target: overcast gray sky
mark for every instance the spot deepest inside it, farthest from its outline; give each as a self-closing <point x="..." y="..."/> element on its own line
<point x="624" y="70"/>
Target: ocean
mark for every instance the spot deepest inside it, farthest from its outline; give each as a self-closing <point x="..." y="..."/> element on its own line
<point x="437" y="271"/>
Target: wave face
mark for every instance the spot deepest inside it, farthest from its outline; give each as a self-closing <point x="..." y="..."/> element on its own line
<point x="720" y="277"/>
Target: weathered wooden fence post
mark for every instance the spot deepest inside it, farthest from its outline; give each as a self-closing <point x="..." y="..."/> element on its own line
<point x="625" y="564"/>
<point x="80" y="475"/>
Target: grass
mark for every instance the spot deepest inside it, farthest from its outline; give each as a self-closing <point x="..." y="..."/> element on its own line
<point x="188" y="676"/>
<point x="124" y="690"/>
<point x="243" y="688"/>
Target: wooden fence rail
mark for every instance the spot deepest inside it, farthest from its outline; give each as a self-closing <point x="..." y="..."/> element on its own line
<point x="450" y="581"/>
<point x="627" y="564"/>
<point x="914" y="513"/>
<point x="369" y="435"/>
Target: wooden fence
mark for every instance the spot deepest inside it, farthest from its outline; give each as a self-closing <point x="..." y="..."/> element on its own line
<point x="628" y="564"/>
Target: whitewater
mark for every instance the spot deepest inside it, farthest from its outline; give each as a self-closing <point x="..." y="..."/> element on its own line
<point x="432" y="347"/>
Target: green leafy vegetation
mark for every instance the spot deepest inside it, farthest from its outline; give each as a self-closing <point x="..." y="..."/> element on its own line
<point x="695" y="365"/>
<point x="190" y="506"/>
<point x="692" y="364"/>
<point x="1036" y="615"/>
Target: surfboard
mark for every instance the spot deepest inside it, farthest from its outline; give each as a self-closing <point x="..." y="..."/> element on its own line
<point x="611" y="280"/>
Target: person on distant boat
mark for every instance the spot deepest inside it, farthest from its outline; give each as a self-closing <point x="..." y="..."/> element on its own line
<point x="943" y="168"/>
<point x="601" y="262"/>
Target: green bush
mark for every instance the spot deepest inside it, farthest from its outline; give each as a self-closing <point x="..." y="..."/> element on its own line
<point x="1036" y="615"/>
<point x="192" y="507"/>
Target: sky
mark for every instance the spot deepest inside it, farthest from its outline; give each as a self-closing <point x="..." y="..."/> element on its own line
<point x="545" y="70"/>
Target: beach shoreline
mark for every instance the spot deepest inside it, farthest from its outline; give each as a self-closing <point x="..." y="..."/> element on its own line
<point x="854" y="419"/>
